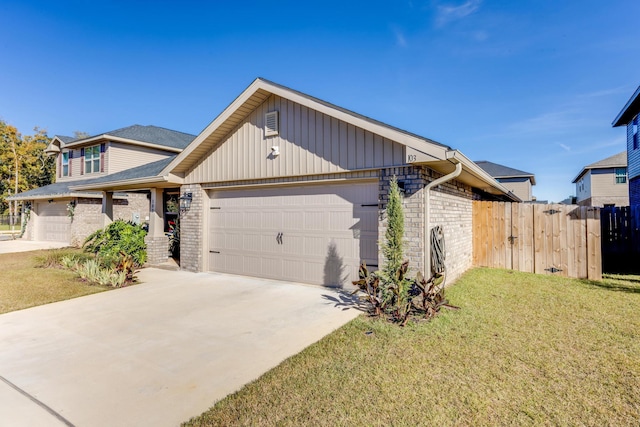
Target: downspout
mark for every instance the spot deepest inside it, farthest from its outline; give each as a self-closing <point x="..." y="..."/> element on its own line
<point x="427" y="212"/>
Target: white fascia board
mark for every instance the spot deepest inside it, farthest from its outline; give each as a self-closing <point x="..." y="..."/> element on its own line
<point x="107" y="137"/>
<point x="122" y="183"/>
<point x="436" y="152"/>
<point x="222" y="117"/>
<point x="422" y="145"/>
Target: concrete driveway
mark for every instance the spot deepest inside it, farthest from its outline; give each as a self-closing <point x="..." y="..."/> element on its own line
<point x="158" y="353"/>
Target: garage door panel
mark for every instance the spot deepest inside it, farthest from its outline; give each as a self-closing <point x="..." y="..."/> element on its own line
<point x="325" y="231"/>
<point x="53" y="224"/>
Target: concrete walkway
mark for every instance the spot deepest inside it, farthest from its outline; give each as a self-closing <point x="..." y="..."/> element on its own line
<point x="158" y="353"/>
<point x="19" y="245"/>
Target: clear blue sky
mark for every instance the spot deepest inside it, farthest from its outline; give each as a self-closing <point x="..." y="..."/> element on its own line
<point x="531" y="84"/>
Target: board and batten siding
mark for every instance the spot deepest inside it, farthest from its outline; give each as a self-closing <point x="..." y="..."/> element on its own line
<point x="75" y="166"/>
<point x="309" y="142"/>
<point x="125" y="156"/>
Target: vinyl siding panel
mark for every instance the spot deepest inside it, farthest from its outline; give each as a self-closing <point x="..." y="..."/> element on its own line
<point x="633" y="156"/>
<point x="309" y="141"/>
<point x="519" y="187"/>
<point x="586" y="192"/>
<point x="121" y="156"/>
<point x="603" y="183"/>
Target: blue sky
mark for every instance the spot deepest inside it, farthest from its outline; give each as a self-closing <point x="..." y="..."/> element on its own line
<point x="531" y="84"/>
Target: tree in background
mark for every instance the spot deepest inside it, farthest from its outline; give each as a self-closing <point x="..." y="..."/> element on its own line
<point x="23" y="164"/>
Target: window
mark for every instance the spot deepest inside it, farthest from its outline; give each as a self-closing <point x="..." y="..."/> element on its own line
<point x="65" y="163"/>
<point x="92" y="159"/>
<point x="621" y="175"/>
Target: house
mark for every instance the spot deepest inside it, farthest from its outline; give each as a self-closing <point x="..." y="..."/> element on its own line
<point x="517" y="181"/>
<point x="286" y="186"/>
<point x="58" y="212"/>
<point x="628" y="117"/>
<point x="603" y="183"/>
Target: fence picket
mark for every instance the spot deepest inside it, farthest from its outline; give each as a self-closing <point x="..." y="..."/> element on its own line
<point x="545" y="239"/>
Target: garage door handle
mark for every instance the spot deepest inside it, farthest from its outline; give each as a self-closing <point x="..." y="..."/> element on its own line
<point x="279" y="238"/>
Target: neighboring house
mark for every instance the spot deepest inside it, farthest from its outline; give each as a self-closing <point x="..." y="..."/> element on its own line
<point x="603" y="183"/>
<point x="285" y="186"/>
<point x="629" y="117"/>
<point x="58" y="212"/>
<point x="516" y="181"/>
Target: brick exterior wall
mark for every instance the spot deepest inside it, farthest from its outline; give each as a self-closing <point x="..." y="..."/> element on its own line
<point x="450" y="207"/>
<point x="192" y="229"/>
<point x="600" y="201"/>
<point x="157" y="249"/>
<point x="87" y="216"/>
<point x="413" y="206"/>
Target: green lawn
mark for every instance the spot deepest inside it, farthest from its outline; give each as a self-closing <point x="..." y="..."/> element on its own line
<point x="23" y="284"/>
<point x="523" y="350"/>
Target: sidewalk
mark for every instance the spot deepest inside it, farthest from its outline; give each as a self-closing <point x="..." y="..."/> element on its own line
<point x="19" y="245"/>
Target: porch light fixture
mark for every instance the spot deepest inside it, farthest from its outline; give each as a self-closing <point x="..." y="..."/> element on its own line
<point x="185" y="201"/>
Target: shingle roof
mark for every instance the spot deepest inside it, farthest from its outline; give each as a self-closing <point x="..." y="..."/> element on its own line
<point x="64" y="188"/>
<point x="616" y="161"/>
<point x="500" y="171"/>
<point x="66" y="139"/>
<point x="150" y="134"/>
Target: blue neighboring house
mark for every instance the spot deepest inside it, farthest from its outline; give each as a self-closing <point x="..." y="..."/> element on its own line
<point x="629" y="117"/>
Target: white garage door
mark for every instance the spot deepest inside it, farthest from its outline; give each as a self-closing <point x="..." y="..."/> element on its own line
<point x="312" y="234"/>
<point x="53" y="224"/>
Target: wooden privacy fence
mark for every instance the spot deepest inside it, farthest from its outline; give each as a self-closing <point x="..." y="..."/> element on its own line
<point x="545" y="239"/>
<point x="620" y="239"/>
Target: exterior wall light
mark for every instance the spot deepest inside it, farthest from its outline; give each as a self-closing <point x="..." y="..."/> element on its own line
<point x="185" y="201"/>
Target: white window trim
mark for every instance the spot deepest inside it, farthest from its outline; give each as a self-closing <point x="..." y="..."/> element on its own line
<point x="90" y="161"/>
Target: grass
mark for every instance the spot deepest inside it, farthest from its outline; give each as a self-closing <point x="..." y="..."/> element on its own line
<point x="523" y="350"/>
<point x="24" y="284"/>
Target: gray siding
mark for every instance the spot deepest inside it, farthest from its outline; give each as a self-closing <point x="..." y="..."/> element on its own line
<point x="125" y="156"/>
<point x="310" y="143"/>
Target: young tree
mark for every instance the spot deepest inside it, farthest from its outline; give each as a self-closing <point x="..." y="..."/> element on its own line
<point x="23" y="164"/>
<point x="393" y="249"/>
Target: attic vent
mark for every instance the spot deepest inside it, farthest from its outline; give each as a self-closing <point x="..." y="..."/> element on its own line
<point x="271" y="123"/>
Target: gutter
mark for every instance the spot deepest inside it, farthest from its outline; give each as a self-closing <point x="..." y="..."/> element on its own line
<point x="427" y="210"/>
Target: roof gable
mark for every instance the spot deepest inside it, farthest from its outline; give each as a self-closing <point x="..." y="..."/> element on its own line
<point x="258" y="92"/>
<point x="500" y="171"/>
<point x="616" y="161"/>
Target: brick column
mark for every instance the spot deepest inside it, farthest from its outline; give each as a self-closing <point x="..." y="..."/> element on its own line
<point x="192" y="229"/>
<point x="157" y="242"/>
<point x="413" y="205"/>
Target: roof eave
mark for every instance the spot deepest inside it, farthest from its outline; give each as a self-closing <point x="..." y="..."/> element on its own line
<point x="629" y="111"/>
<point x="125" y="184"/>
<point x="107" y="137"/>
<point x="258" y="86"/>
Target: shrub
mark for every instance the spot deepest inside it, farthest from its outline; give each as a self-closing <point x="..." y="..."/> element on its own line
<point x="119" y="237"/>
<point x="53" y="258"/>
<point x="390" y="291"/>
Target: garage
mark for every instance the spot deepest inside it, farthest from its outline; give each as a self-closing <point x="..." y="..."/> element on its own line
<point x="312" y="234"/>
<point x="53" y="224"/>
